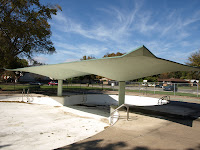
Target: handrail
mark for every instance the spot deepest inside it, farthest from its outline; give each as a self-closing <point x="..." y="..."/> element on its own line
<point x="123" y="105"/>
<point x="23" y="94"/>
<point x="84" y="98"/>
<point x="26" y="94"/>
<point x="167" y="98"/>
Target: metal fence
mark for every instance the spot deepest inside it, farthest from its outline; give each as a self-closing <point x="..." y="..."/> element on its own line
<point x="179" y="89"/>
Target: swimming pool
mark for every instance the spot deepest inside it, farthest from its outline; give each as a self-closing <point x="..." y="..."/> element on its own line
<point x="22" y="123"/>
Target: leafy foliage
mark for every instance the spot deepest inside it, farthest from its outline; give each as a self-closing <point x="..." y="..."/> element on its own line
<point x="24" y="30"/>
<point x="113" y="54"/>
<point x="17" y="63"/>
<point x="194" y="59"/>
<point x="176" y="75"/>
<point x="87" y="57"/>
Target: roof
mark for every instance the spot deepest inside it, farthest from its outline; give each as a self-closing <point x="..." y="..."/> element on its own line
<point x="133" y="65"/>
<point x="174" y="80"/>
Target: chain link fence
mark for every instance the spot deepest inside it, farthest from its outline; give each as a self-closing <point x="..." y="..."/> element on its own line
<point x="179" y="89"/>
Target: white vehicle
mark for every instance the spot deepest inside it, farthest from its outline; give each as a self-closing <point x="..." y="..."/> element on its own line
<point x="151" y="84"/>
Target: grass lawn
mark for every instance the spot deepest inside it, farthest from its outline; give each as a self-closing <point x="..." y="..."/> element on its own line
<point x="193" y="88"/>
<point x="17" y="87"/>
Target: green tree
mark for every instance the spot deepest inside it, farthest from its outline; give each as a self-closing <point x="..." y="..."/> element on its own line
<point x="24" y="30"/>
<point x="87" y="57"/>
<point x="168" y="75"/>
<point x="17" y="63"/>
<point x="36" y="63"/>
<point x="194" y="60"/>
<point x="149" y="79"/>
<point x="113" y="54"/>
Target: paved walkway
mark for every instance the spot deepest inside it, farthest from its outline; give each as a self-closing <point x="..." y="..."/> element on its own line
<point x="146" y="132"/>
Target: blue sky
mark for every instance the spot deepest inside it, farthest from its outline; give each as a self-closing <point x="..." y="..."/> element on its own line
<point x="168" y="28"/>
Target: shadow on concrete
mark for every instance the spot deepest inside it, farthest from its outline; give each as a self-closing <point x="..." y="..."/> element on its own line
<point x="146" y="148"/>
<point x="180" y="112"/>
<point x="99" y="145"/>
<point x="176" y="111"/>
<point x="101" y="107"/>
<point x="96" y="110"/>
<point x="94" y="145"/>
<point x="93" y="99"/>
<point x="2" y="146"/>
<point x="73" y="91"/>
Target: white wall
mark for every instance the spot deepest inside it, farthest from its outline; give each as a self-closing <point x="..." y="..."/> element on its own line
<point x="102" y="99"/>
<point x="96" y="99"/>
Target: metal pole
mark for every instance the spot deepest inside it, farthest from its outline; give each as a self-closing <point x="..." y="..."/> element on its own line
<point x="197" y="89"/>
<point x="154" y="88"/>
<point x="59" y="90"/>
<point x="121" y="92"/>
<point x="139" y="86"/>
<point x="127" y="113"/>
<point x="174" y="89"/>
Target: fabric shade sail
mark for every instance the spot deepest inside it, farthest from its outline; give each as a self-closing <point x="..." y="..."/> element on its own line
<point x="133" y="65"/>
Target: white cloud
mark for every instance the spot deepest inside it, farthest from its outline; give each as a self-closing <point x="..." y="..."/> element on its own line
<point x="115" y="29"/>
<point x="65" y="46"/>
<point x="177" y="26"/>
<point x="181" y="57"/>
<point x="124" y="29"/>
<point x="80" y="50"/>
<point x="118" y="28"/>
<point x="192" y="19"/>
<point x="71" y="60"/>
<point x="41" y="59"/>
<point x="71" y="53"/>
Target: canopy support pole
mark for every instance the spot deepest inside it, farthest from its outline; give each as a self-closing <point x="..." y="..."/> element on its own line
<point x="121" y="92"/>
<point x="59" y="90"/>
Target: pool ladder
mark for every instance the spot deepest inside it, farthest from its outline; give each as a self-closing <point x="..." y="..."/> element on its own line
<point x="160" y="100"/>
<point x="84" y="98"/>
<point x="112" y="113"/>
<point x="26" y="94"/>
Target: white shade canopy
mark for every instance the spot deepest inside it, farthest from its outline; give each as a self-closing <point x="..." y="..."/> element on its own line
<point x="133" y="65"/>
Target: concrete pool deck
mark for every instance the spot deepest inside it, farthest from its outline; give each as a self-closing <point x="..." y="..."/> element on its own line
<point x="143" y="132"/>
<point x="173" y="126"/>
<point x="42" y="127"/>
